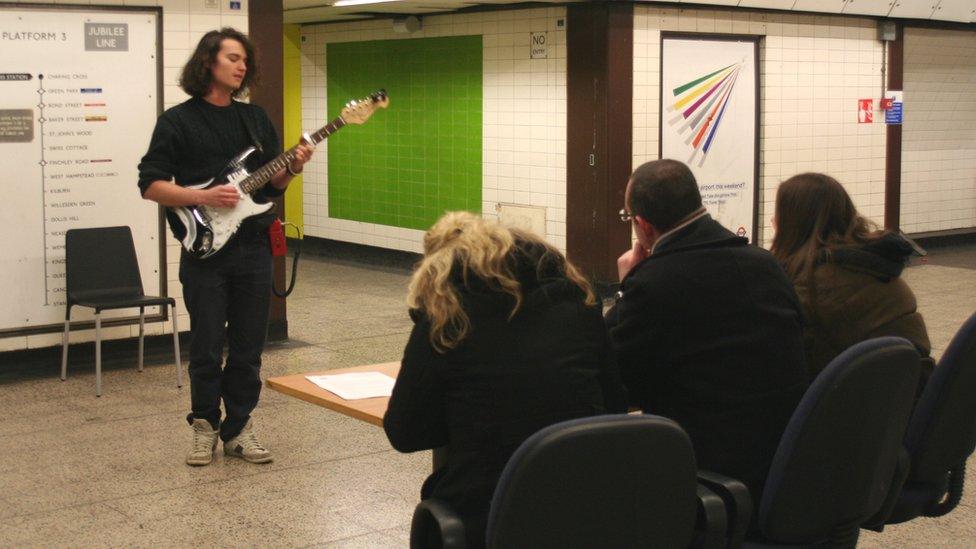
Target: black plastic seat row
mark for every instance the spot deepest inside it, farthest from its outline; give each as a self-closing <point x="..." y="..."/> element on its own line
<point x="630" y="481"/>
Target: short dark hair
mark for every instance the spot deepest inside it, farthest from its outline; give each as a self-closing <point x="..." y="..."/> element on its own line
<point x="196" y="76"/>
<point x="664" y="192"/>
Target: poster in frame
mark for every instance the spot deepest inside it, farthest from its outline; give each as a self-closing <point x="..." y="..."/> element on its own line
<point x="709" y="119"/>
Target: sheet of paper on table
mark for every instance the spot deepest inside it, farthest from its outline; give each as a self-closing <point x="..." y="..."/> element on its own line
<point x="356" y="385"/>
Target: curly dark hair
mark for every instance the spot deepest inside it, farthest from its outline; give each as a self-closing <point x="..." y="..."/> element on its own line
<point x="196" y="76"/>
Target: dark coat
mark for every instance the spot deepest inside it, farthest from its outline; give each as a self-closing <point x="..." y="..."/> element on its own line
<point x="506" y="380"/>
<point x="708" y="332"/>
<point x="857" y="295"/>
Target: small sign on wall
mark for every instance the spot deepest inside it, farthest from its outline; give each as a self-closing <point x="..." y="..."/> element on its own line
<point x="538" y="45"/>
<point x="529" y="218"/>
<point x="895" y="113"/>
<point x="865" y="111"/>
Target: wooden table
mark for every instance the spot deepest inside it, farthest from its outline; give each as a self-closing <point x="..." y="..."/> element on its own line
<point x="370" y="410"/>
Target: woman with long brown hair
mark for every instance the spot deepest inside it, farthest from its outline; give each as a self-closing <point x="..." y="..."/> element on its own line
<point x="846" y="271"/>
<point x="508" y="338"/>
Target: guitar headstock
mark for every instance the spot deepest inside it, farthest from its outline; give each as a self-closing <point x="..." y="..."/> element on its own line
<point x="359" y="111"/>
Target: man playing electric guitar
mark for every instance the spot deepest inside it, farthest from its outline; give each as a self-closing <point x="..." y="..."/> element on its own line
<point x="228" y="292"/>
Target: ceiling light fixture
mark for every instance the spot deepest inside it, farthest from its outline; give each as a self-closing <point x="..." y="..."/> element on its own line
<point x="343" y="3"/>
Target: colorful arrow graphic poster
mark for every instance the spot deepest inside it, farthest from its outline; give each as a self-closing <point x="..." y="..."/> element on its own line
<point x="709" y="121"/>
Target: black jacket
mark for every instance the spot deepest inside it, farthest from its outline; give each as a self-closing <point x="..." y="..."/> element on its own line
<point x="506" y="380"/>
<point x="193" y="141"/>
<point x="708" y="332"/>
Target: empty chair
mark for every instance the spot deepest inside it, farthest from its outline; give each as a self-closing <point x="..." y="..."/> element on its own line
<point x="604" y="481"/>
<point x="102" y="273"/>
<point x="941" y="434"/>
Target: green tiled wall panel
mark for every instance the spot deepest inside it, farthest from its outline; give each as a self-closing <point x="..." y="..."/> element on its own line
<point x="421" y="157"/>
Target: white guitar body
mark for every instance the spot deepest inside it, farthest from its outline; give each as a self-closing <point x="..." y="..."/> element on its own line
<point x="209" y="228"/>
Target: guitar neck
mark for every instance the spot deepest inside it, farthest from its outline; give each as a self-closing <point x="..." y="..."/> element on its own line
<point x="261" y="176"/>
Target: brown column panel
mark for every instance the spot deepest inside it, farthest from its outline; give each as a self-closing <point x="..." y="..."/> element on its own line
<point x="599" y="133"/>
<point x="620" y="127"/>
<point x="896" y="74"/>
<point x="266" y="31"/>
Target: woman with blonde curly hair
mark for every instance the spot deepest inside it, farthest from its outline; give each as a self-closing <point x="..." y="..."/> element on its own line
<point x="508" y="338"/>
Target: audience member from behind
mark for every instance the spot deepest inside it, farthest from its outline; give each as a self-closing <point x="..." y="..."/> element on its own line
<point x="707" y="329"/>
<point x="846" y="271"/>
<point x="508" y="338"/>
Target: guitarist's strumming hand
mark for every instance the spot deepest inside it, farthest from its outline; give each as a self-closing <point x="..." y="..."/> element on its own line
<point x="221" y="196"/>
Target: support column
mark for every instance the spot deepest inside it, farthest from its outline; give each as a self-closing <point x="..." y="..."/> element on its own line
<point x="600" y="57"/>
<point x="267" y="32"/>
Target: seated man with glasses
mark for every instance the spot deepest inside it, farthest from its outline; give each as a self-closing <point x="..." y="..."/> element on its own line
<point x="708" y="329"/>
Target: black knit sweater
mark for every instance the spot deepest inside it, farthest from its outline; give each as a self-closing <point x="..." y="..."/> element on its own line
<point x="194" y="140"/>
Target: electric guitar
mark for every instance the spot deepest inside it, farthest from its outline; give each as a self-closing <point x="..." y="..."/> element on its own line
<point x="210" y="228"/>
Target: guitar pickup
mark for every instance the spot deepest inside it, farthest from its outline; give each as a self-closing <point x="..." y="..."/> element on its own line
<point x="202" y="218"/>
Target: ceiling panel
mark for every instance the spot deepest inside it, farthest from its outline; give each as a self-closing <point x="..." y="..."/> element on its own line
<point x="869" y="7"/>
<point x="310" y="11"/>
<point x="913" y="9"/>
<point x="768" y="4"/>
<point x="956" y="10"/>
<point x="318" y="15"/>
<point x="828" y="6"/>
<point x="299" y="4"/>
<point x="714" y="2"/>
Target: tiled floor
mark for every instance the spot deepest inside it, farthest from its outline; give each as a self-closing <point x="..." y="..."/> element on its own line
<point x="76" y="470"/>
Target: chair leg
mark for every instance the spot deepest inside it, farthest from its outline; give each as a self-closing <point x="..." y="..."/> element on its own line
<point x="142" y="331"/>
<point x="64" y="347"/>
<point x="98" y="354"/>
<point x="176" y="349"/>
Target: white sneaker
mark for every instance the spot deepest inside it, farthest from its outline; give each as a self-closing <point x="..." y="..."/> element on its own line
<point x="245" y="445"/>
<point x="204" y="443"/>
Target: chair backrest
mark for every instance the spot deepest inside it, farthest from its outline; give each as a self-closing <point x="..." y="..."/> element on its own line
<point x="604" y="481"/>
<point x="837" y="457"/>
<point x="942" y="432"/>
<point x="100" y="263"/>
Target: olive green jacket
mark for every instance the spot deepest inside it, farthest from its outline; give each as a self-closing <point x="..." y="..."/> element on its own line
<point x="857" y="295"/>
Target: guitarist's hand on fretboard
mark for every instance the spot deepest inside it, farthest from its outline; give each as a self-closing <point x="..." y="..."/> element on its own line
<point x="220" y="196"/>
<point x="303" y="153"/>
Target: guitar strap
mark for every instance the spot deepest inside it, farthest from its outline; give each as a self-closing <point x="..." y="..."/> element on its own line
<point x="250" y="129"/>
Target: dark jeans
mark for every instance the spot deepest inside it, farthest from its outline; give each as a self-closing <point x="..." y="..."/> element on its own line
<point x="227" y="296"/>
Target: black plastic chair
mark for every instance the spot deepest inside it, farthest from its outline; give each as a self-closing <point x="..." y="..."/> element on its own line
<point x="604" y="481"/>
<point x="102" y="273"/>
<point x="838" y="457"/>
<point x="836" y="460"/>
<point x="941" y="434"/>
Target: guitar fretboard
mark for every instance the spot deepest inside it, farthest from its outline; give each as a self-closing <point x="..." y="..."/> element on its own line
<point x="261" y="176"/>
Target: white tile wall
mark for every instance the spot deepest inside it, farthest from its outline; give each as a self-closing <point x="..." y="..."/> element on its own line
<point x="813" y="69"/>
<point x="524" y="139"/>
<point x="939" y="135"/>
<point x="184" y="23"/>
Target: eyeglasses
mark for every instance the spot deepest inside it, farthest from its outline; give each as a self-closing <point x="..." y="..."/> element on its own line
<point x="625" y="216"/>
